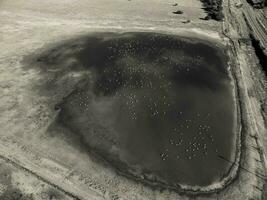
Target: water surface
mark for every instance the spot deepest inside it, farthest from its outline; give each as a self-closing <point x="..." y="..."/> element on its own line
<point x="155" y="106"/>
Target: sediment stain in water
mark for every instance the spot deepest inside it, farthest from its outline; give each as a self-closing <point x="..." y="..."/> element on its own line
<point x="154" y="105"/>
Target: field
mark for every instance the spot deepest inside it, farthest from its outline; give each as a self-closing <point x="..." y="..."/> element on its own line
<point x="40" y="162"/>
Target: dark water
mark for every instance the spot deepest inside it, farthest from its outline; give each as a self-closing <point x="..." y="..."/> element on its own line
<point x="154" y="105"/>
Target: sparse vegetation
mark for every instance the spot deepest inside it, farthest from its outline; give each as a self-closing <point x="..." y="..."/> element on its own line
<point x="14" y="194"/>
<point x="258" y="4"/>
<point x="213" y="9"/>
<point x="179" y="12"/>
<point x="52" y="194"/>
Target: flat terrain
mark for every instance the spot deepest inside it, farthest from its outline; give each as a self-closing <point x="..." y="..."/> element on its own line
<point x="36" y="159"/>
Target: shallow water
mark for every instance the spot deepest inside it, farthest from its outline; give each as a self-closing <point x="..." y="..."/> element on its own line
<point x="155" y="104"/>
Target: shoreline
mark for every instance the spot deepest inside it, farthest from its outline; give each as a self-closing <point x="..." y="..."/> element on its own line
<point x="231" y="172"/>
